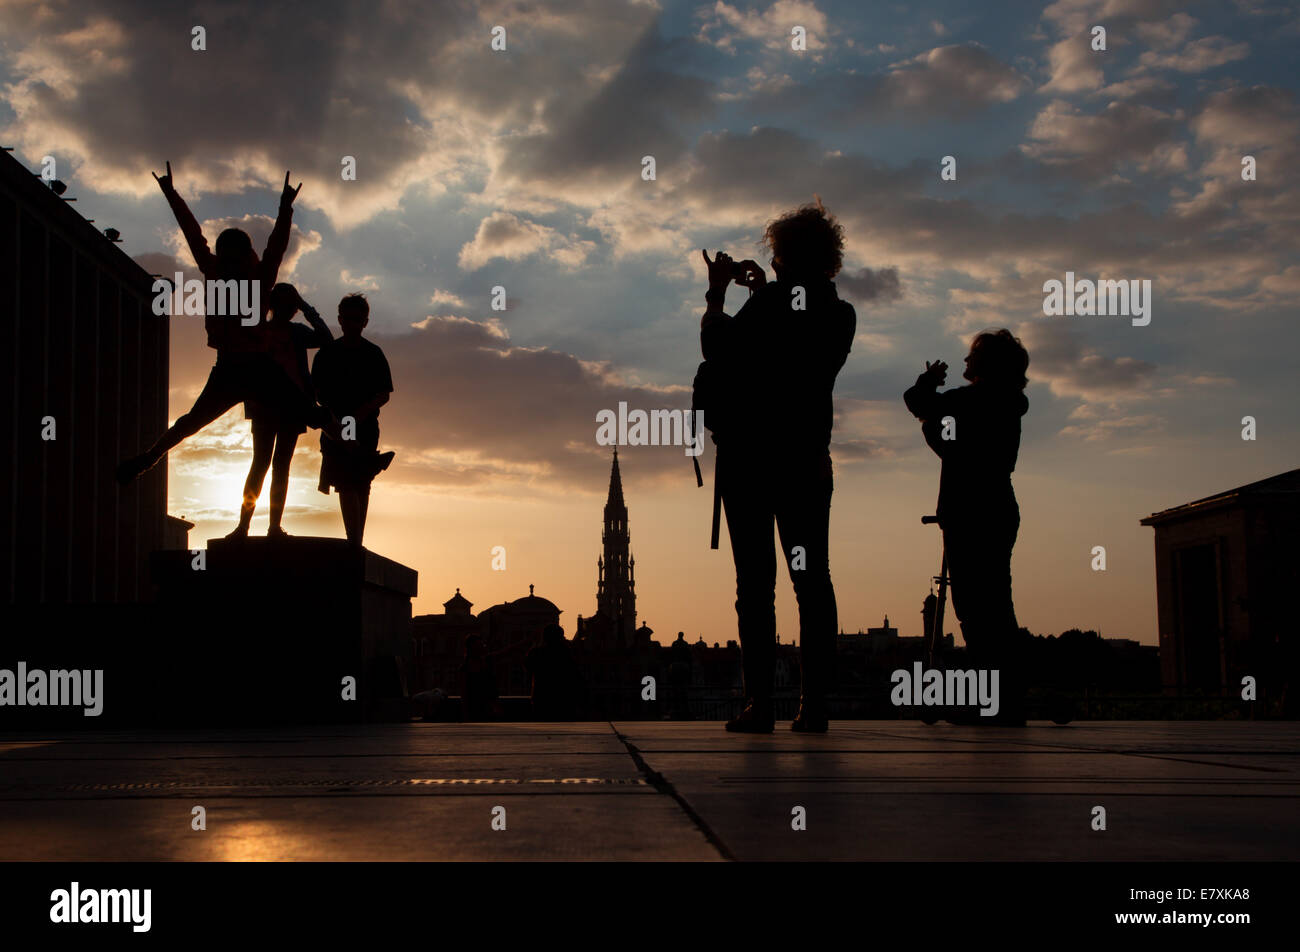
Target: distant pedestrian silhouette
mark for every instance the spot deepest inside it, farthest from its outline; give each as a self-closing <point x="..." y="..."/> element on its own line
<point x="555" y="680"/>
<point x="276" y="428"/>
<point x="478" y="684"/>
<point x="679" y="678"/>
<point x="352" y="382"/>
<point x="765" y="388"/>
<point x="975" y="430"/>
<point x="244" y="369"/>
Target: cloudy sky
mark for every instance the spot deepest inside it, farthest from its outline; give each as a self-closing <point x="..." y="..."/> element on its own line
<point x="522" y="168"/>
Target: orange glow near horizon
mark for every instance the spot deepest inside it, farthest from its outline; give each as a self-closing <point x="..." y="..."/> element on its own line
<point x="882" y="557"/>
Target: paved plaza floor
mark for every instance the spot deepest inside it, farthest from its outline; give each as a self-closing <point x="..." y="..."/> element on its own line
<point x="868" y="790"/>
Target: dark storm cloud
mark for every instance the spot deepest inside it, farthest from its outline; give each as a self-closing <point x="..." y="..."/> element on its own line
<point x="411" y="91"/>
<point x="758" y="172"/>
<point x="1091" y="146"/>
<point x="283" y="78"/>
<point x="947" y="81"/>
<point x="868" y="285"/>
<point x="541" y="148"/>
<point x="638" y="112"/>
<point x="1061" y="358"/>
<point x="767" y="166"/>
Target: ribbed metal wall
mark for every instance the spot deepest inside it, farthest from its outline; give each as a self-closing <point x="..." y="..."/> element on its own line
<point x="81" y="345"/>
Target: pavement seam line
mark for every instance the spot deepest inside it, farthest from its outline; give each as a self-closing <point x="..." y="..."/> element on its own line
<point x="663" y="785"/>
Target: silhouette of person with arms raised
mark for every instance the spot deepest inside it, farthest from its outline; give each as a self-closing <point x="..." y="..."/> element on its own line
<point x="769" y="373"/>
<point x="478" y="683"/>
<point x="975" y="430"/>
<point x="554" y="677"/>
<point x="244" y="368"/>
<point x="276" y="428"/>
<point x="352" y="382"/>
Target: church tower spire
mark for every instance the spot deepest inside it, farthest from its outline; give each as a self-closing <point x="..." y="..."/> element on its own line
<point x="615" y="486"/>
<point x="615" y="589"/>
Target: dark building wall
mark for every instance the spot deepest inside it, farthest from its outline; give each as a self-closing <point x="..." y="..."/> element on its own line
<point x="1270" y="650"/>
<point x="509" y="631"/>
<point x="438" y="650"/>
<point x="1200" y="569"/>
<point x="1226" y="572"/>
<point x="84" y="347"/>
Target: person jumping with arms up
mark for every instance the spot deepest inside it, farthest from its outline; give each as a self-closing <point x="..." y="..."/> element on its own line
<point x="244" y="369"/>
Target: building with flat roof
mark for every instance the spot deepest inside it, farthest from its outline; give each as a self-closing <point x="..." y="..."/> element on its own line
<point x="86" y="378"/>
<point x="1227" y="569"/>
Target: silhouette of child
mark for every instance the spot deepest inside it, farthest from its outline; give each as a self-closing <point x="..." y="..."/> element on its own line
<point x="975" y="430"/>
<point x="276" y="428"/>
<point x="352" y="379"/>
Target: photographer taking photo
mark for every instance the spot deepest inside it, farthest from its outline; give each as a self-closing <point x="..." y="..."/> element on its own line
<point x="765" y="388"/>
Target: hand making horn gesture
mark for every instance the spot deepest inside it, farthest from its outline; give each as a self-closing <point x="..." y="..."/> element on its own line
<point x="166" y="181"/>
<point x="290" y="193"/>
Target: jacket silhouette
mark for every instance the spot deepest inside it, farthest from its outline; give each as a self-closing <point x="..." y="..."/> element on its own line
<point x="975" y="478"/>
<point x="773" y="368"/>
<point x="768" y="374"/>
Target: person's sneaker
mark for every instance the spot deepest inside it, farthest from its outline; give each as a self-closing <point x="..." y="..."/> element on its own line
<point x="754" y="719"/>
<point x="811" y="719"/>
<point x="382" y="460"/>
<point x="240" y="532"/>
<point x="275" y="532"/>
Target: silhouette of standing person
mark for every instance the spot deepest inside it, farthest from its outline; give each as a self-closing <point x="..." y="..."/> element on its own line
<point x="276" y="429"/>
<point x="772" y="370"/>
<point x="478" y="681"/>
<point x="352" y="380"/>
<point x="679" y="677"/>
<point x="975" y="430"/>
<point x="554" y="676"/>
<point x="244" y="368"/>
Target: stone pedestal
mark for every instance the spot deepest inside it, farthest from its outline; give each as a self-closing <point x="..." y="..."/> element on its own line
<point x="267" y="630"/>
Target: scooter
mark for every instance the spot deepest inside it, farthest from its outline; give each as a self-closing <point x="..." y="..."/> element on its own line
<point x="934" y="637"/>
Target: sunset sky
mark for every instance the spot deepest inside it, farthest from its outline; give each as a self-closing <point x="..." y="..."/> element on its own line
<point x="522" y="168"/>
